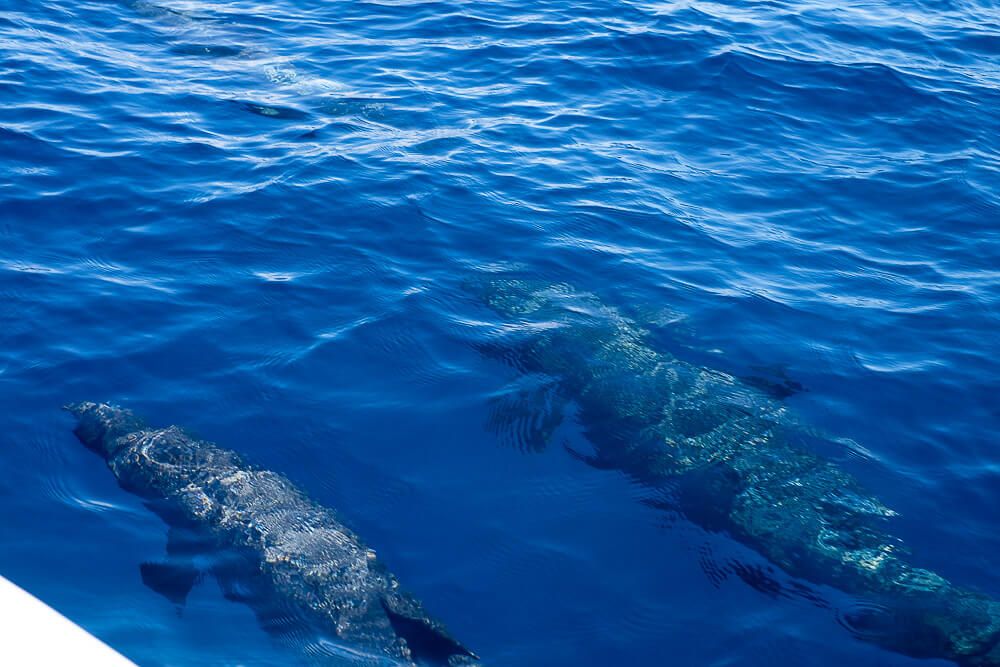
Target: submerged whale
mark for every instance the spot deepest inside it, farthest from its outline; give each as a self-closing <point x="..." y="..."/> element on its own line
<point x="289" y="558"/>
<point x="731" y="459"/>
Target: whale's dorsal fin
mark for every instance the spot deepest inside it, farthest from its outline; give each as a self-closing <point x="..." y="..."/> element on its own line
<point x="668" y="331"/>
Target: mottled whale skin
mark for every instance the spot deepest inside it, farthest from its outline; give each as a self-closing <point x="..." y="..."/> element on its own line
<point x="297" y="557"/>
<point x="729" y="455"/>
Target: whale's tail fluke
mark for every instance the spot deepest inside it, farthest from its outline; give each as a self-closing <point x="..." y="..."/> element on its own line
<point x="429" y="643"/>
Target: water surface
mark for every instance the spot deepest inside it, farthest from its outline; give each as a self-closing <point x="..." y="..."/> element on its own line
<point x="255" y="220"/>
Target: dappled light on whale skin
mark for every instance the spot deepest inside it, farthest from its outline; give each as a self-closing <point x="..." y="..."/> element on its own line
<point x="270" y="546"/>
<point x="735" y="460"/>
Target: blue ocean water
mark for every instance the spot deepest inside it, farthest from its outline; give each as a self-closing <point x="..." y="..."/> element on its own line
<point x="255" y="220"/>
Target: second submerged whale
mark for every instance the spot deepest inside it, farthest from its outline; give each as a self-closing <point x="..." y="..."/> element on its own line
<point x="733" y="461"/>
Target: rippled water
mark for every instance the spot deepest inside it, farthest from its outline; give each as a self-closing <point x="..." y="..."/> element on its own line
<point x="256" y="219"/>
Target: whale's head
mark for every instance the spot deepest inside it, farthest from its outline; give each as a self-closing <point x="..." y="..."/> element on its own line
<point x="513" y="297"/>
<point x="541" y="303"/>
<point x="100" y="425"/>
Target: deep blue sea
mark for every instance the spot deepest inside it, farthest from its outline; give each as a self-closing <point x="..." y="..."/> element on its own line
<point x="255" y="220"/>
